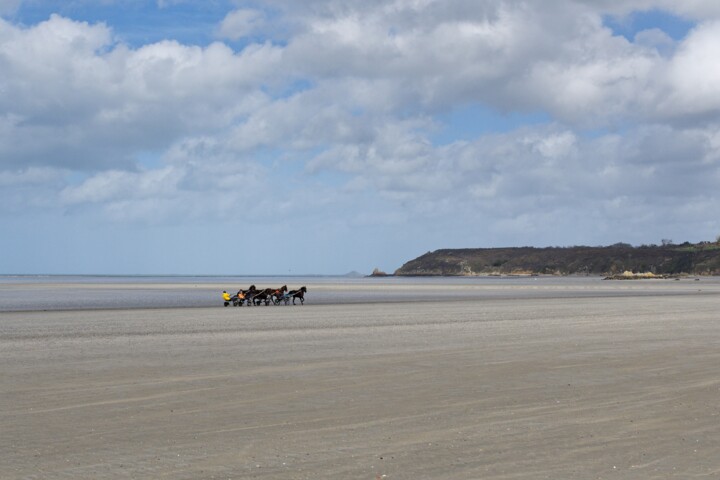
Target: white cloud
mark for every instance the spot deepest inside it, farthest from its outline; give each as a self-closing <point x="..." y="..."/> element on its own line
<point x="68" y="82"/>
<point x="30" y="176"/>
<point x="115" y="185"/>
<point x="200" y="179"/>
<point x="241" y="23"/>
<point x="693" y="75"/>
<point x="353" y="94"/>
<point x="94" y="103"/>
<point x="169" y="3"/>
<point x="656" y="39"/>
<point x="546" y="169"/>
<point x="506" y="54"/>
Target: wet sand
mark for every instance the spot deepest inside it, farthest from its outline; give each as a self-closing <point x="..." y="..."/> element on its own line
<point x="623" y="386"/>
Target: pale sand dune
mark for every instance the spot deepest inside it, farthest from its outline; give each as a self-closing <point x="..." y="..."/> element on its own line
<point x="622" y="387"/>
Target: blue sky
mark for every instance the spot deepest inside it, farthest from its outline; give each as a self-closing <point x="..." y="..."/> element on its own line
<point x="629" y="25"/>
<point x="282" y="137"/>
<point x="135" y="22"/>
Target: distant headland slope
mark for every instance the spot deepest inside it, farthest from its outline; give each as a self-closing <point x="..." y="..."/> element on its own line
<point x="667" y="259"/>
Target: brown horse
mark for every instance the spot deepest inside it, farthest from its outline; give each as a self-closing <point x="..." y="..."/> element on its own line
<point x="266" y="295"/>
<point x="249" y="294"/>
<point x="278" y="295"/>
<point x="298" y="294"/>
<point x="263" y="296"/>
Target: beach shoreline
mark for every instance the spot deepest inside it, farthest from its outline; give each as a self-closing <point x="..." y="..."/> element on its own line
<point x="532" y="386"/>
<point x="82" y="293"/>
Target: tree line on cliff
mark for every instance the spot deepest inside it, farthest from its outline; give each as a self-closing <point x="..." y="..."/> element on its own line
<point x="667" y="259"/>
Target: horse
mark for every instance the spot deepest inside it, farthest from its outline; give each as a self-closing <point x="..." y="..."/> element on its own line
<point x="248" y="295"/>
<point x="298" y="294"/>
<point x="278" y="295"/>
<point x="262" y="296"/>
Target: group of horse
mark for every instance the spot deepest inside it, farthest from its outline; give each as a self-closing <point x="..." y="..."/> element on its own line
<point x="276" y="296"/>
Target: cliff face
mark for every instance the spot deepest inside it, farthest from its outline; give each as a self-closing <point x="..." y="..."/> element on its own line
<point x="700" y="259"/>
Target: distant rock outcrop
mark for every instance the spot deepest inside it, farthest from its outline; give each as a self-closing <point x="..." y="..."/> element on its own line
<point x="378" y="273"/>
<point x="692" y="259"/>
<point x="353" y="274"/>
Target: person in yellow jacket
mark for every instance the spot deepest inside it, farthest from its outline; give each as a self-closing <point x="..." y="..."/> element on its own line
<point x="226" y="298"/>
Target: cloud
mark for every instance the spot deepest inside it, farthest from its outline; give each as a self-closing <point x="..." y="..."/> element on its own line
<point x="95" y="103"/>
<point x="98" y="102"/>
<point x="546" y="168"/>
<point x="241" y="23"/>
<point x="693" y="75"/>
<point x="509" y="55"/>
<point x="346" y="107"/>
<point x="513" y="56"/>
<point x="30" y="189"/>
<point x="200" y="179"/>
<point x="169" y="3"/>
<point x="656" y="39"/>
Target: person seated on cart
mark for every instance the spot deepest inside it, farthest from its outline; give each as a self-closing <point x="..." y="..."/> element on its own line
<point x="226" y="298"/>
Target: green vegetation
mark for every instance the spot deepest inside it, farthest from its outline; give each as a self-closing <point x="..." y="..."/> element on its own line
<point x="667" y="259"/>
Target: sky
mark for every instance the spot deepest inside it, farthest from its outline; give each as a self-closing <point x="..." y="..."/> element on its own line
<point x="232" y="137"/>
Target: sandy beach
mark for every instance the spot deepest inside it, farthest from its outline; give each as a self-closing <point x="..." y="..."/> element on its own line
<point x="620" y="384"/>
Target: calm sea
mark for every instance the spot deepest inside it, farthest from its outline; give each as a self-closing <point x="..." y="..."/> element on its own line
<point x="67" y="292"/>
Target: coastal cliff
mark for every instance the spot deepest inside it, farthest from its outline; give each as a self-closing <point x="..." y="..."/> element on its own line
<point x="692" y="259"/>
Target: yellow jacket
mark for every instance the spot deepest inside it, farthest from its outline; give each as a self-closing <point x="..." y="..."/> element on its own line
<point x="226" y="296"/>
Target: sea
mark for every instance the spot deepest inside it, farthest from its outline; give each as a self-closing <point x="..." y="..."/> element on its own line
<point x="87" y="292"/>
